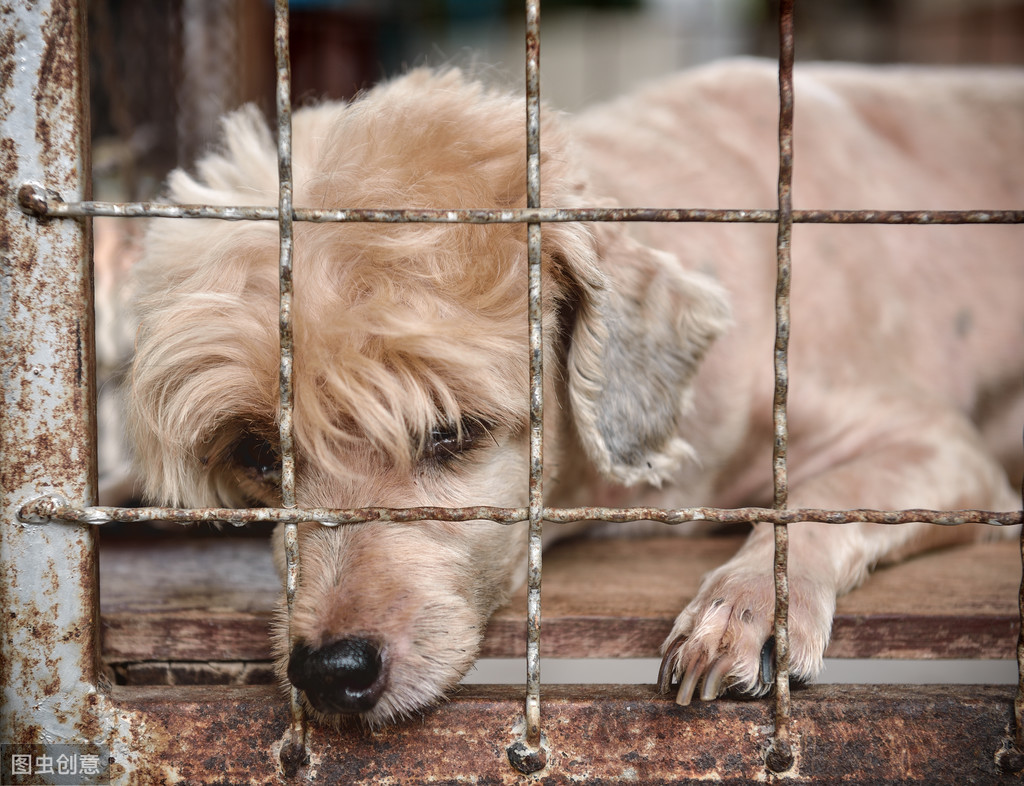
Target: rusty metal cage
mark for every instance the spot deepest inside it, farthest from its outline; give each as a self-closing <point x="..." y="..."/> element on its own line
<point x="53" y="688"/>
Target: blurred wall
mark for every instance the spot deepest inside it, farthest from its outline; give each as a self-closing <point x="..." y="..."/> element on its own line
<point x="163" y="71"/>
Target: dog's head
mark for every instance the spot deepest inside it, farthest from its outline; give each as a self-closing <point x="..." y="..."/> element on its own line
<point x="410" y="372"/>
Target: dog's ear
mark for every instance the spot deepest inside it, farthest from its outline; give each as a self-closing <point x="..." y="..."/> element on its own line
<point x="640" y="326"/>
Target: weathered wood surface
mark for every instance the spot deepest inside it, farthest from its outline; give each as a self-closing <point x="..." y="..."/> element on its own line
<point x="213" y="600"/>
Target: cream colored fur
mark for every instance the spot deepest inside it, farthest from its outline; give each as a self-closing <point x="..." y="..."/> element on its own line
<point x="906" y="360"/>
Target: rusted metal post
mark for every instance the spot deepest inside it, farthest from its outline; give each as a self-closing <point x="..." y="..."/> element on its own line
<point x="779" y="756"/>
<point x="528" y="754"/>
<point x="293" y="748"/>
<point x="49" y="642"/>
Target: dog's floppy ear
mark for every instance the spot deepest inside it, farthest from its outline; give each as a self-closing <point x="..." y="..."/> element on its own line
<point x="640" y="328"/>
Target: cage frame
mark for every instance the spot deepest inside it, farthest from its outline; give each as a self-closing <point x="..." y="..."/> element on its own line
<point x="52" y="679"/>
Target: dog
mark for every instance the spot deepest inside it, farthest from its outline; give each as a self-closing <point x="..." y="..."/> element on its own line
<point x="411" y="368"/>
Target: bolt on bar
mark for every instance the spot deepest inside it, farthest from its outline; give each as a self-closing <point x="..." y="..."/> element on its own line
<point x="779" y="757"/>
<point x="293" y="751"/>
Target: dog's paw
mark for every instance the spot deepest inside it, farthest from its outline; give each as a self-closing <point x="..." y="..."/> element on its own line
<point x="722" y="642"/>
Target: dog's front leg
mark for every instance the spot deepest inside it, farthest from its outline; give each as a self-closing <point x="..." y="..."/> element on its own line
<point x="723" y="639"/>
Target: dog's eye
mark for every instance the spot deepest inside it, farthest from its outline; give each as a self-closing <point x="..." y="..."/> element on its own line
<point x="448" y="441"/>
<point x="257" y="456"/>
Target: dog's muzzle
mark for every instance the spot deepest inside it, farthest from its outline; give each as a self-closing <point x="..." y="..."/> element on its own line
<point x="346" y="676"/>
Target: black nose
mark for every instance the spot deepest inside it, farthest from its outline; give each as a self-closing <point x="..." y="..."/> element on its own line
<point x="345" y="676"/>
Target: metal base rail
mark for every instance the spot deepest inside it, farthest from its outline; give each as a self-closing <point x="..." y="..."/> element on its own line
<point x="596" y="734"/>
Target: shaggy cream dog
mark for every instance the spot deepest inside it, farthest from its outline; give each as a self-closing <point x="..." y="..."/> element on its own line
<point x="411" y="364"/>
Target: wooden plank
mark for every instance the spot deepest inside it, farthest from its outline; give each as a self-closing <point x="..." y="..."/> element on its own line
<point x="213" y="600"/>
<point x="619" y="598"/>
<point x="593" y="734"/>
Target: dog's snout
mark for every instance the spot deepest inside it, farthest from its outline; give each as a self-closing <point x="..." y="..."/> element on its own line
<point x="345" y="676"/>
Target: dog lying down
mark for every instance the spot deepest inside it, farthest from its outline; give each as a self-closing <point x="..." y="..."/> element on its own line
<point x="411" y="368"/>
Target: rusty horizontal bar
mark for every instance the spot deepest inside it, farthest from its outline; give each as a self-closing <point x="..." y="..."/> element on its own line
<point x="604" y="734"/>
<point x="45" y="509"/>
<point x="43" y="202"/>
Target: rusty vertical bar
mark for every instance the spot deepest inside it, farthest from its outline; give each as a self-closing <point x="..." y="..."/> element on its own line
<point x="528" y="755"/>
<point x="1018" y="704"/>
<point x="536" y="497"/>
<point x="1016" y="763"/>
<point x="779" y="756"/>
<point x="293" y="748"/>
<point x="1010" y="757"/>
<point x="284" y="163"/>
<point x="49" y="641"/>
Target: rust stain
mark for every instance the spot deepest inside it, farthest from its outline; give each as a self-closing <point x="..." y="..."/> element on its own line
<point x="8" y="46"/>
<point x="59" y="77"/>
<point x="8" y="174"/>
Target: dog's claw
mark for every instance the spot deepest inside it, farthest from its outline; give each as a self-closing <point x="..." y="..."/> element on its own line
<point x="696" y="672"/>
<point x="685" y="693"/>
<point x="768" y="662"/>
<point x="667" y="671"/>
<point x="713" y="679"/>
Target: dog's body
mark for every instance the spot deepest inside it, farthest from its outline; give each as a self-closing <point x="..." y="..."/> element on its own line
<point x="411" y="365"/>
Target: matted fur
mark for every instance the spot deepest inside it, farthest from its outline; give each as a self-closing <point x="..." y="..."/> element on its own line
<point x="411" y="337"/>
